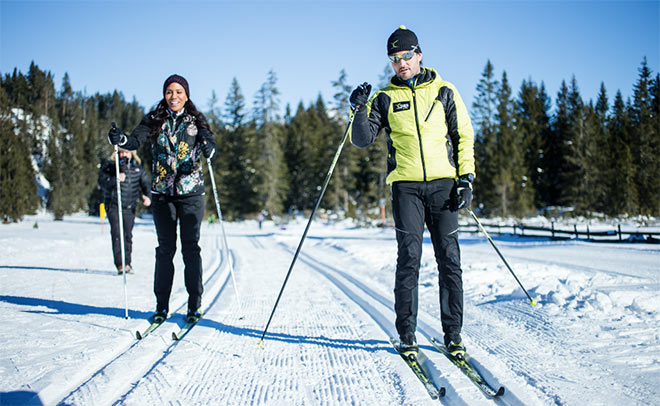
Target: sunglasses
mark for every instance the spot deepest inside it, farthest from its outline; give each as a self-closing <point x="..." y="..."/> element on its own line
<point x="406" y="57"/>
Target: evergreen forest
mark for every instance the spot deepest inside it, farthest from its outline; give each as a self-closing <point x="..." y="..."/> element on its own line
<point x="535" y="153"/>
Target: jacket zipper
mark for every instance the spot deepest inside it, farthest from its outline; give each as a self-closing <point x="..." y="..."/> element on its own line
<point x="419" y="133"/>
<point x="431" y="110"/>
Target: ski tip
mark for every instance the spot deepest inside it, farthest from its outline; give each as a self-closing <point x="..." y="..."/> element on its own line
<point x="442" y="391"/>
<point x="500" y="391"/>
<point x="175" y="337"/>
<point x="138" y="335"/>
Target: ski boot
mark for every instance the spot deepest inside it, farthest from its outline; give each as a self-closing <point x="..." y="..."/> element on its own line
<point x="456" y="348"/>
<point x="408" y="347"/>
<point x="193" y="316"/>
<point x="160" y="316"/>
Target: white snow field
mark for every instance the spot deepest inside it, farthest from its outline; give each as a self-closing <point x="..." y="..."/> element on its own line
<point x="593" y="338"/>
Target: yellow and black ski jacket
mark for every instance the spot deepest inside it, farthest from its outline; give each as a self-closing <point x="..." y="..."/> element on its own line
<point x="429" y="134"/>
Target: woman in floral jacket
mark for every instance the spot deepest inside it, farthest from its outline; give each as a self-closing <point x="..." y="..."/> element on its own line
<point x="179" y="134"/>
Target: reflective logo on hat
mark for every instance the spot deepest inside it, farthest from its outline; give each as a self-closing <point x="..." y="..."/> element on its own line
<point x="393" y="44"/>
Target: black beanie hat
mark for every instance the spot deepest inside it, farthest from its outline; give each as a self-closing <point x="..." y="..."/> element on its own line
<point x="176" y="79"/>
<point x="402" y="39"/>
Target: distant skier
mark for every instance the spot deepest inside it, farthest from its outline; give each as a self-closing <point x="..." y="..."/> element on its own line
<point x="134" y="182"/>
<point x="430" y="165"/>
<point x="179" y="134"/>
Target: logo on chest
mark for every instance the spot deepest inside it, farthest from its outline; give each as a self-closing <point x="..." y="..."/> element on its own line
<point x="401" y="106"/>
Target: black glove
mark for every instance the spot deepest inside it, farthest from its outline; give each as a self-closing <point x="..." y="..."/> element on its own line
<point x="464" y="191"/>
<point x="208" y="150"/>
<point x="116" y="136"/>
<point x="360" y="95"/>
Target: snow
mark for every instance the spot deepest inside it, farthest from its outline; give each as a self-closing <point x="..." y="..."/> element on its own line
<point x="593" y="338"/>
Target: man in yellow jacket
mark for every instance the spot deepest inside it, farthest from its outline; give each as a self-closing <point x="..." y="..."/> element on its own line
<point x="430" y="166"/>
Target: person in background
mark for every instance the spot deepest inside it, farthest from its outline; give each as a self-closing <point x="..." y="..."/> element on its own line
<point x="134" y="183"/>
<point x="179" y="134"/>
<point x="430" y="165"/>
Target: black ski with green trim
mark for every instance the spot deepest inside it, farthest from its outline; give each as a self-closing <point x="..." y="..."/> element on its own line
<point x="464" y="364"/>
<point x="154" y="325"/>
<point x="419" y="372"/>
<point x="185" y="329"/>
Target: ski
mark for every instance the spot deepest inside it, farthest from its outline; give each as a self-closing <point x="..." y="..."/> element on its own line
<point x="463" y="363"/>
<point x="177" y="335"/>
<point x="420" y="373"/>
<point x="154" y="325"/>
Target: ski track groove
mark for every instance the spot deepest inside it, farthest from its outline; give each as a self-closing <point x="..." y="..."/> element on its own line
<point x="327" y="341"/>
<point x="539" y="333"/>
<point x="84" y="390"/>
<point x="467" y="389"/>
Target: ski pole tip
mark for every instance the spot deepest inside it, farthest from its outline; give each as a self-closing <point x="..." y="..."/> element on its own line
<point x="533" y="302"/>
<point x="260" y="344"/>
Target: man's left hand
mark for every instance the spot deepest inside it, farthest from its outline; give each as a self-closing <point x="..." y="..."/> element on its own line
<point x="464" y="192"/>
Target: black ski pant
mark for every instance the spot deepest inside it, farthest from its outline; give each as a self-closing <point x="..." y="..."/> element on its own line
<point x="413" y="205"/>
<point x="129" y="219"/>
<point x="188" y="211"/>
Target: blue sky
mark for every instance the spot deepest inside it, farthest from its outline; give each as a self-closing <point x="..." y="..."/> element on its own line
<point x="132" y="46"/>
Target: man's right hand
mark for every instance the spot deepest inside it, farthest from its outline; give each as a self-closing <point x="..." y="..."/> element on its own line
<point x="115" y="135"/>
<point x="360" y="95"/>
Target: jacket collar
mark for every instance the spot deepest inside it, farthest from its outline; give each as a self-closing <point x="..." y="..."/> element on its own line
<point x="426" y="75"/>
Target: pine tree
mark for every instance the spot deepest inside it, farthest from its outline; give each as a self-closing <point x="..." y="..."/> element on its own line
<point x="655" y="139"/>
<point x="573" y="177"/>
<point x="298" y="132"/>
<point x="18" y="192"/>
<point x="513" y="197"/>
<point x="645" y="148"/>
<point x="622" y="194"/>
<point x="236" y="172"/>
<point x="327" y="136"/>
<point x="270" y="132"/>
<point x="533" y="117"/>
<point x="556" y="148"/>
<point x="70" y="117"/>
<point x="484" y="109"/>
<point x="351" y="160"/>
<point x="596" y="158"/>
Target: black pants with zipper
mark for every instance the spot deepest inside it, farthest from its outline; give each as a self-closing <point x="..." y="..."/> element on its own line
<point x="128" y="215"/>
<point x="415" y="204"/>
<point x="188" y="211"/>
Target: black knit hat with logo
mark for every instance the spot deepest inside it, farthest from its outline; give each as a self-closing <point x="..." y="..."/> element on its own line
<point x="176" y="79"/>
<point x="402" y="40"/>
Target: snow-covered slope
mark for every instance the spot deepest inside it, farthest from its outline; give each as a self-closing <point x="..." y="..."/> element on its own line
<point x="593" y="339"/>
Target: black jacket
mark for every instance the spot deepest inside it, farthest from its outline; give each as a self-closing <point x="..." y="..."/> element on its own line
<point x="137" y="182"/>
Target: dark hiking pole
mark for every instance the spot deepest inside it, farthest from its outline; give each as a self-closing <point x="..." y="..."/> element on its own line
<point x="121" y="226"/>
<point x="531" y="301"/>
<point x="224" y="234"/>
<point x="309" y="222"/>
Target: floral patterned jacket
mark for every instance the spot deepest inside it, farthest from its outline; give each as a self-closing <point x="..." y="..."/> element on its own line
<point x="176" y="168"/>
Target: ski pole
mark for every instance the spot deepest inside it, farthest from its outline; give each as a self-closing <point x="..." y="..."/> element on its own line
<point x="121" y="227"/>
<point x="309" y="222"/>
<point x="531" y="301"/>
<point x="224" y="234"/>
